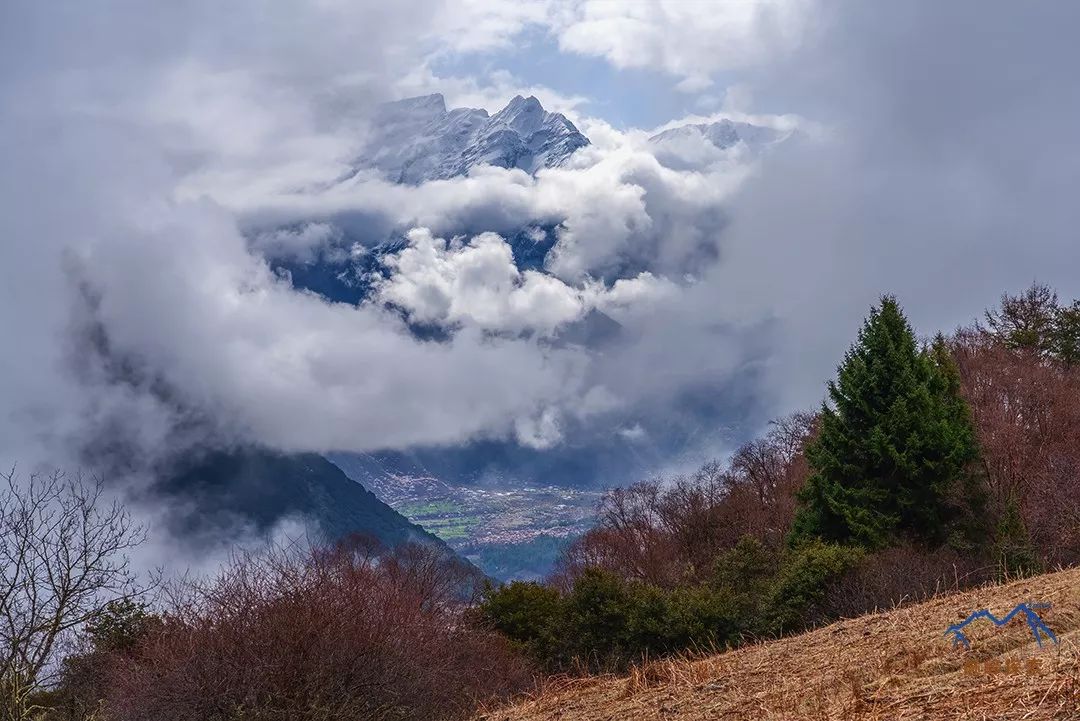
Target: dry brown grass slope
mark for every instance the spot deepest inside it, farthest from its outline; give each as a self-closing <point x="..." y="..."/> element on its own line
<point x="889" y="666"/>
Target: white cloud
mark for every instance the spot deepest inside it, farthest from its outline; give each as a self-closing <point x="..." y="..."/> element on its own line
<point x="539" y="431"/>
<point x="476" y="283"/>
<point x="694" y="84"/>
<point x="490" y="91"/>
<point x="301" y="243"/>
<point x="627" y="295"/>
<point x="480" y="25"/>
<point x="691" y="39"/>
<point x="292" y="371"/>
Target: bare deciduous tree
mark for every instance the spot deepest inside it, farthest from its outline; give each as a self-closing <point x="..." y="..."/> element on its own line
<point x="63" y="557"/>
<point x="1026" y="411"/>
<point x="669" y="533"/>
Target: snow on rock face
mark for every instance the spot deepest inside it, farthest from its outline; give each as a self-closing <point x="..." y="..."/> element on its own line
<point x="418" y="139"/>
<point x="697" y="145"/>
<point x="723" y="133"/>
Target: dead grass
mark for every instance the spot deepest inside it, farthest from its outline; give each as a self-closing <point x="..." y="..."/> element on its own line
<point x="891" y="666"/>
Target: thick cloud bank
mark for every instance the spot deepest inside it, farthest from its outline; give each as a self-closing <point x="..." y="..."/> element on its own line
<point x="153" y="163"/>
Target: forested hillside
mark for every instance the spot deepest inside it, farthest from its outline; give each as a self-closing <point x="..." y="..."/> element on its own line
<point x="932" y="465"/>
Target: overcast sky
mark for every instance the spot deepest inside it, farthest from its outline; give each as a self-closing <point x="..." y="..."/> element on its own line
<point x="144" y="146"/>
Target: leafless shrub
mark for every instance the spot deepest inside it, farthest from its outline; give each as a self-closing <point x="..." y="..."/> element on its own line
<point x="344" y="633"/>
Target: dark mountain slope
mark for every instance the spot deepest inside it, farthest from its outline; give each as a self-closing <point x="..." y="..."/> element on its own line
<point x="257" y="488"/>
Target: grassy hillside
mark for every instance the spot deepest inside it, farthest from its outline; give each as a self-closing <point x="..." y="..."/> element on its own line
<point x="897" y="665"/>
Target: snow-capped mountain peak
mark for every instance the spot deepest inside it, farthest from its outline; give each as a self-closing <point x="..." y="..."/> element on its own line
<point x="723" y="134"/>
<point x="523" y="115"/>
<point x="417" y="139"/>
<point x="700" y="144"/>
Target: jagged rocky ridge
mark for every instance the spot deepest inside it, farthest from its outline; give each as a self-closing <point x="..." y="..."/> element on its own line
<point x="417" y="139"/>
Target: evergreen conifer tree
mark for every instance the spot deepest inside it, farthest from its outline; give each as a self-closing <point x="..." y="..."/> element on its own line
<point x="893" y="441"/>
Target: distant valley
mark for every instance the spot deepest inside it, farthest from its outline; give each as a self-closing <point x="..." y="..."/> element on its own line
<point x="508" y="530"/>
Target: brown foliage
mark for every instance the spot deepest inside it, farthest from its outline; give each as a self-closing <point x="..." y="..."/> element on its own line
<point x="670" y="533"/>
<point x="1026" y="411"/>
<point x="334" y="634"/>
